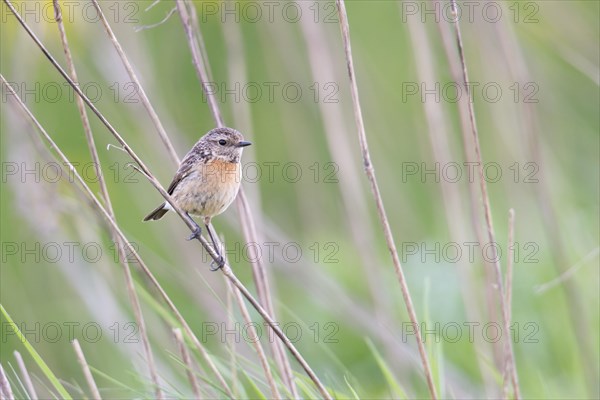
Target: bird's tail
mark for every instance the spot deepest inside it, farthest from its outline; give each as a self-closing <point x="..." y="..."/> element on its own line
<point x="157" y="213"/>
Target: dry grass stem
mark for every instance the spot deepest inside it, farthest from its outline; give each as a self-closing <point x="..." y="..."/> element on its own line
<point x="231" y="321"/>
<point x="274" y="326"/>
<point x="86" y="370"/>
<point x="354" y="198"/>
<point x="475" y="218"/>
<point x="197" y="58"/>
<point x="194" y="36"/>
<point x="517" y="65"/>
<point x="139" y="88"/>
<point x="189" y="222"/>
<point x="262" y="286"/>
<point x="486" y="203"/>
<point x="370" y="172"/>
<point x="509" y="278"/>
<point x="439" y="135"/>
<point x="185" y="356"/>
<point x="137" y="310"/>
<point x="5" y="389"/>
<point x="255" y="339"/>
<point x="112" y="225"/>
<point x="569" y="272"/>
<point x="25" y="376"/>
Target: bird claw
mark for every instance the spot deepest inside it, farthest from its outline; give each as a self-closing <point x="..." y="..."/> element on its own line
<point x="218" y="264"/>
<point x="215" y="265"/>
<point x="195" y="234"/>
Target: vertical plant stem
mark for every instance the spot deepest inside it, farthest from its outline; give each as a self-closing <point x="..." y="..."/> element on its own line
<point x="262" y="287"/>
<point x="187" y="220"/>
<point x="486" y="203"/>
<point x="508" y="372"/>
<point x="201" y="69"/>
<point x="370" y="172"/>
<point x="25" y="376"/>
<point x="139" y="88"/>
<point x="137" y="309"/>
<point x="5" y="389"/>
<point x="473" y="185"/>
<point x="247" y="222"/>
<point x="185" y="355"/>
<point x="531" y="129"/>
<point x="231" y="322"/>
<point x="452" y="198"/>
<point x="354" y="200"/>
<point x="112" y="225"/>
<point x="255" y="340"/>
<point x="86" y="370"/>
<point x="264" y="314"/>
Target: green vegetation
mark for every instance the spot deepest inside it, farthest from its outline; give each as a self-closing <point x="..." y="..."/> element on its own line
<point x="281" y="79"/>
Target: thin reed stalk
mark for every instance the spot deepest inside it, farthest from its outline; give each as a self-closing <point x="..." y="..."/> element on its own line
<point x="198" y="60"/>
<point x="162" y="133"/>
<point x="25" y="376"/>
<point x="5" y="389"/>
<point x="231" y="321"/>
<point x="353" y="197"/>
<point x="261" y="281"/>
<point x="135" y="302"/>
<point x="580" y="325"/>
<point x="188" y="221"/>
<point x="452" y="199"/>
<point x="185" y="356"/>
<point x="112" y="225"/>
<point x="509" y="280"/>
<point x="486" y="203"/>
<point x="475" y="211"/>
<point x="86" y="370"/>
<point x="195" y="40"/>
<point x="255" y="340"/>
<point x="370" y="172"/>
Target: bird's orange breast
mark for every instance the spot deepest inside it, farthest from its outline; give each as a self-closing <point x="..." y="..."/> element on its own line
<point x="210" y="188"/>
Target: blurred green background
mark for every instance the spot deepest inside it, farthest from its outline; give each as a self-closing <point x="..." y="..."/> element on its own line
<point x="279" y="74"/>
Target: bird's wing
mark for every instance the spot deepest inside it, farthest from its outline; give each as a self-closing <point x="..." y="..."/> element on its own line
<point x="184" y="170"/>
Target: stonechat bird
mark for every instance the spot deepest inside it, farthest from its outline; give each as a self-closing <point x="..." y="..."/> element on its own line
<point x="207" y="180"/>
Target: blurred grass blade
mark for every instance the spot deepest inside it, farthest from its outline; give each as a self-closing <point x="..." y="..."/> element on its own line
<point x="354" y="394"/>
<point x="116" y="382"/>
<point x="36" y="357"/>
<point x="253" y="392"/>
<point x="434" y="348"/>
<point x="306" y="389"/>
<point x="387" y="373"/>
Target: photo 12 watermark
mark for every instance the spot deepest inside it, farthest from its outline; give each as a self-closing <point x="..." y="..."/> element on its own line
<point x="54" y="92"/>
<point x="116" y="12"/>
<point x="242" y="332"/>
<point x="268" y="11"/>
<point x="325" y="252"/>
<point x="35" y="252"/>
<point x="252" y="172"/>
<point x="67" y="331"/>
<point x="491" y="12"/>
<point x="468" y="252"/>
<point x="469" y="172"/>
<point x="272" y="92"/>
<point x="453" y="92"/>
<point x="470" y="331"/>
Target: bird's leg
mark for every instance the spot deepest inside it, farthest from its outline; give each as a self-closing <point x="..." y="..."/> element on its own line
<point x="197" y="230"/>
<point x="217" y="264"/>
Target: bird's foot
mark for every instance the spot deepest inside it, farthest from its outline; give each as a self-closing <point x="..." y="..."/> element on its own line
<point x="218" y="264"/>
<point x="195" y="234"/>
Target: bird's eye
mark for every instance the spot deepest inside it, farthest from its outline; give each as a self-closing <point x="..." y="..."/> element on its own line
<point x="222" y="142"/>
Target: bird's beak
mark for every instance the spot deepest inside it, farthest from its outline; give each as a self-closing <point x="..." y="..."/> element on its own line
<point x="243" y="144"/>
